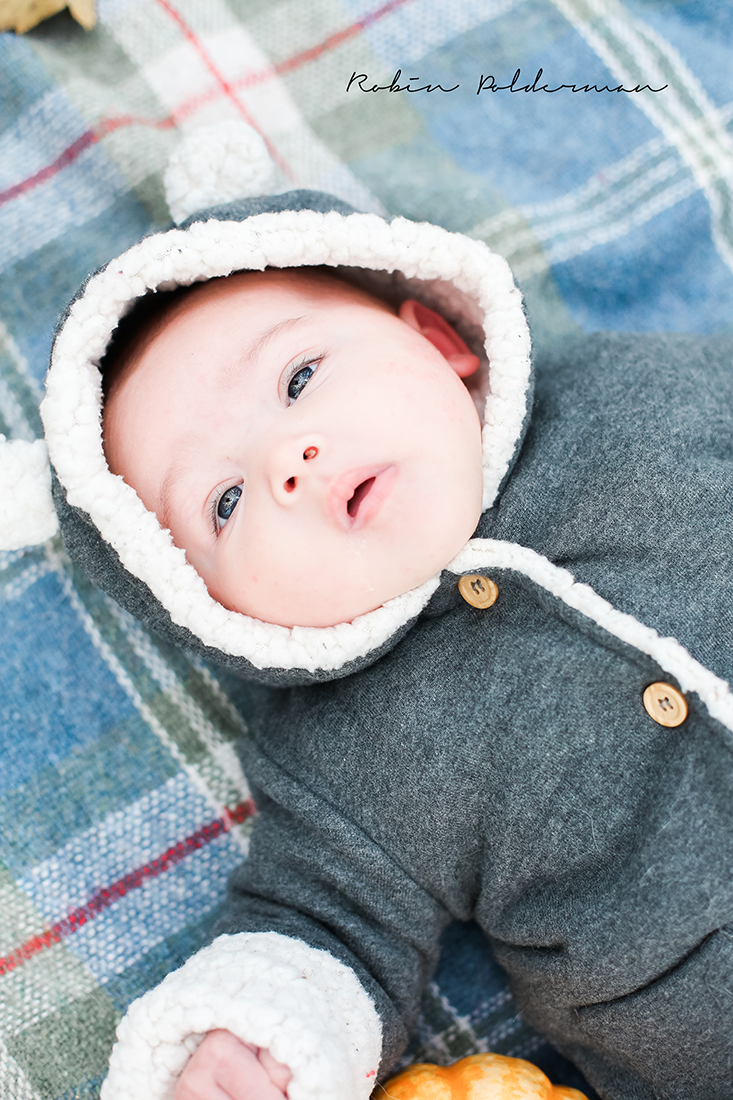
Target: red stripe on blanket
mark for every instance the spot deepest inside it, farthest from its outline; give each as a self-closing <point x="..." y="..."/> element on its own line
<point x="110" y="894"/>
<point x="109" y="125"/>
<point x="329" y="43"/>
<point x="89" y="137"/>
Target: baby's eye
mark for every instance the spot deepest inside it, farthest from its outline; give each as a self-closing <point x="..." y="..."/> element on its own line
<point x="227" y="503"/>
<point x="299" y="381"/>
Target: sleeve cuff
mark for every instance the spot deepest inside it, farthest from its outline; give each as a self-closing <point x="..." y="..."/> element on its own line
<point x="307" y="1008"/>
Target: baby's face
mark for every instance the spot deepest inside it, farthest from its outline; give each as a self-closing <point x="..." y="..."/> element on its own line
<point x="311" y="451"/>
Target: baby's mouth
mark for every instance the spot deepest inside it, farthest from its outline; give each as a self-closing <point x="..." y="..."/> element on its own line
<point x="352" y="505"/>
<point x="357" y="495"/>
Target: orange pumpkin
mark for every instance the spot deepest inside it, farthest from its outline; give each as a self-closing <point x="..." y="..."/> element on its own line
<point x="478" y="1077"/>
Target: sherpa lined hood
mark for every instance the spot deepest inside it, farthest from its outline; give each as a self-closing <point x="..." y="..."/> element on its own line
<point x="105" y="525"/>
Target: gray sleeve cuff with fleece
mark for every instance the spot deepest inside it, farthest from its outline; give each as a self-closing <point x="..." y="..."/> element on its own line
<point x="304" y="1006"/>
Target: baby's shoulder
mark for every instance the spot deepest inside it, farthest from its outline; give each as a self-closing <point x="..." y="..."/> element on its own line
<point x="618" y="401"/>
<point x="609" y="375"/>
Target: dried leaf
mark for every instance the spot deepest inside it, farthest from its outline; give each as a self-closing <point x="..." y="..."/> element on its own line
<point x="84" y="13"/>
<point x="22" y="15"/>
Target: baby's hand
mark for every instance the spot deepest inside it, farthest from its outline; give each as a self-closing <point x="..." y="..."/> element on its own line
<point x="223" y="1068"/>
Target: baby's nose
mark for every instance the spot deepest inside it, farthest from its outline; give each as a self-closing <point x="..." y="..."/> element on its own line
<point x="308" y="454"/>
<point x="291" y="465"/>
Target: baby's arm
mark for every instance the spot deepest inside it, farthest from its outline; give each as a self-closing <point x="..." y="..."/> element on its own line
<point x="224" y="1067"/>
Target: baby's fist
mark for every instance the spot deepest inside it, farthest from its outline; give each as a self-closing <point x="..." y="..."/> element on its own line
<point x="224" y="1068"/>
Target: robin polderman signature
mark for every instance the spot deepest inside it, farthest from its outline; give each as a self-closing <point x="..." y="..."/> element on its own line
<point x="488" y="84"/>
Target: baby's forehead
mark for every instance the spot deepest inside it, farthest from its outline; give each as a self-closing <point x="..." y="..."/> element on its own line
<point x="263" y="301"/>
<point x="314" y="285"/>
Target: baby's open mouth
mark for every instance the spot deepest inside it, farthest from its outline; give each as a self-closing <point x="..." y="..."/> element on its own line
<point x="357" y="495"/>
<point x="352" y="505"/>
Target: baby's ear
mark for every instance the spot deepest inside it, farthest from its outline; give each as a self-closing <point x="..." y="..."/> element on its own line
<point x="440" y="334"/>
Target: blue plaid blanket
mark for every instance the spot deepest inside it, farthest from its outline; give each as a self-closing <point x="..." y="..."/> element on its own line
<point x="588" y="141"/>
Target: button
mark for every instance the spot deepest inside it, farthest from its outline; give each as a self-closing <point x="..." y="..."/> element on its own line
<point x="478" y="591"/>
<point x="665" y="704"/>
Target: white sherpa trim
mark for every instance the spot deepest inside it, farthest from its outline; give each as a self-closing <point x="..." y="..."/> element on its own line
<point x="27" y="514"/>
<point x="667" y="652"/>
<point x="216" y="164"/>
<point x="71" y="408"/>
<point x="303" y="1005"/>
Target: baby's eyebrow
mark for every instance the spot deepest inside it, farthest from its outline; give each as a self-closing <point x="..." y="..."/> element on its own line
<point x="163" y="506"/>
<point x="184" y="452"/>
<point x="254" y="349"/>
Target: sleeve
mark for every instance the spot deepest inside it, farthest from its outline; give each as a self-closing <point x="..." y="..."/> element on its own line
<point x="325" y="949"/>
<point x="305" y="1007"/>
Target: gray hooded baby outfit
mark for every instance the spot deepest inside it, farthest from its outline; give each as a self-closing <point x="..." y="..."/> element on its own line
<point x="487" y="751"/>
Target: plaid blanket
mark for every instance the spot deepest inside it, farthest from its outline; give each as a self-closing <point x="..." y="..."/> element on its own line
<point x="123" y="808"/>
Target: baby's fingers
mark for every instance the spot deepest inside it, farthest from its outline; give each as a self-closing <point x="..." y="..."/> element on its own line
<point x="223" y="1068"/>
<point x="279" y="1074"/>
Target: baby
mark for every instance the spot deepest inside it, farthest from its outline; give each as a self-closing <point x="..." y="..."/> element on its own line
<point x="452" y="727"/>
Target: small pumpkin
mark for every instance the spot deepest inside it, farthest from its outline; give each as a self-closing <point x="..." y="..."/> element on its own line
<point x="478" y="1077"/>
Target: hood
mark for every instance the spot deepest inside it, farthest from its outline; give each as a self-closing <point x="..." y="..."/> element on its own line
<point x="104" y="524"/>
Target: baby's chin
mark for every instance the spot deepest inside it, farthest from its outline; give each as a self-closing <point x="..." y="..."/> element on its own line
<point x="320" y="610"/>
<point x="306" y="616"/>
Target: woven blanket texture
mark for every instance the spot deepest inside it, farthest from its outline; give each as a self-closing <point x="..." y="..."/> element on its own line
<point x="123" y="808"/>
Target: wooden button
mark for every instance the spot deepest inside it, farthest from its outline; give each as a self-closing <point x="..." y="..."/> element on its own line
<point x="478" y="591"/>
<point x="665" y="704"/>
